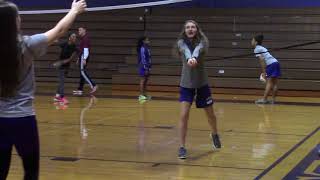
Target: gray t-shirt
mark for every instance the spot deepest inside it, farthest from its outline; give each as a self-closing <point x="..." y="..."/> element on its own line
<point x="22" y="104"/>
<point x="192" y="77"/>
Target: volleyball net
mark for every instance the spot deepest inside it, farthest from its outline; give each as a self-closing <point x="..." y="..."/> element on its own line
<point x="107" y="6"/>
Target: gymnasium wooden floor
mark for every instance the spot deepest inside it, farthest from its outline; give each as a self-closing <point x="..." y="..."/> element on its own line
<point x="115" y="137"/>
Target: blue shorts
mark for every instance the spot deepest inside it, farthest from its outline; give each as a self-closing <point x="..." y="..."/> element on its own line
<point x="144" y="72"/>
<point x="273" y="70"/>
<point x="203" y="96"/>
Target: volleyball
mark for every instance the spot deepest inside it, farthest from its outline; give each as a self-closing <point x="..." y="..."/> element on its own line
<point x="262" y="79"/>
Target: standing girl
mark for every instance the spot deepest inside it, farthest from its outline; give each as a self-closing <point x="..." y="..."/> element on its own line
<point x="144" y="62"/>
<point x="192" y="45"/>
<point x="270" y="69"/>
<point x="18" y="125"/>
<point x="68" y="53"/>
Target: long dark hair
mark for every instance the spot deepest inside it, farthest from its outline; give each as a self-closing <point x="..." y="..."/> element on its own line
<point x="9" y="50"/>
<point x="259" y="38"/>
<point x="140" y="42"/>
<point x="200" y="36"/>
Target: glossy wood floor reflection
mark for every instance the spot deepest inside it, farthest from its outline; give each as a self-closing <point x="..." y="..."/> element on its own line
<point x="119" y="138"/>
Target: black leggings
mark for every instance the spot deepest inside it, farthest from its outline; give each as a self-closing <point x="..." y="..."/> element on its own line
<point x="23" y="134"/>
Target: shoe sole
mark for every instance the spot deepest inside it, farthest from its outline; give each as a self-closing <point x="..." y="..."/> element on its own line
<point x="182" y="157"/>
<point x="77" y="93"/>
<point x="214" y="147"/>
<point x="262" y="103"/>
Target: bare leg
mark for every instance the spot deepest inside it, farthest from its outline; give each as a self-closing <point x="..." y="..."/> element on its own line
<point x="212" y="120"/>
<point x="184" y="117"/>
<point x="216" y="144"/>
<point x="145" y="85"/>
<point x="269" y="86"/>
<point x="142" y="82"/>
<point x="275" y="89"/>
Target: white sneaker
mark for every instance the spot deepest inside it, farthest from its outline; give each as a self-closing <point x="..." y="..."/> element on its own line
<point x="261" y="101"/>
<point x="77" y="92"/>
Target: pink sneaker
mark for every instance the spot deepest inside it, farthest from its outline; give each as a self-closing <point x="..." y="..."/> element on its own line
<point x="64" y="100"/>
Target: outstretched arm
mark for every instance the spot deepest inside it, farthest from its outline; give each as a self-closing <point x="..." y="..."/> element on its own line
<point x="184" y="50"/>
<point x="65" y="23"/>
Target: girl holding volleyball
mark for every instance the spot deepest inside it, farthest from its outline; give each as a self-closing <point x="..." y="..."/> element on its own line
<point x="270" y="69"/>
<point x="192" y="46"/>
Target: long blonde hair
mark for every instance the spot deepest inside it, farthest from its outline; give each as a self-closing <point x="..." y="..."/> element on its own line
<point x="199" y="37"/>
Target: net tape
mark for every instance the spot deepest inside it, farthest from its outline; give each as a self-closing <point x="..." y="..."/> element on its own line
<point x="106" y="8"/>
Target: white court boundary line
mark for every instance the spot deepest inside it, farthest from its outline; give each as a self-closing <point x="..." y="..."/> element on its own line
<point x="59" y="11"/>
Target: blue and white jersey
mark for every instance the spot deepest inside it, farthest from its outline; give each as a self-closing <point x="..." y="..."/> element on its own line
<point x="268" y="58"/>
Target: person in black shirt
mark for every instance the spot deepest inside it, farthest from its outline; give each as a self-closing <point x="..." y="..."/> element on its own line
<point x="68" y="53"/>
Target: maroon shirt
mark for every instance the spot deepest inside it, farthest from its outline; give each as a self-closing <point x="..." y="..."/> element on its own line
<point x="84" y="43"/>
